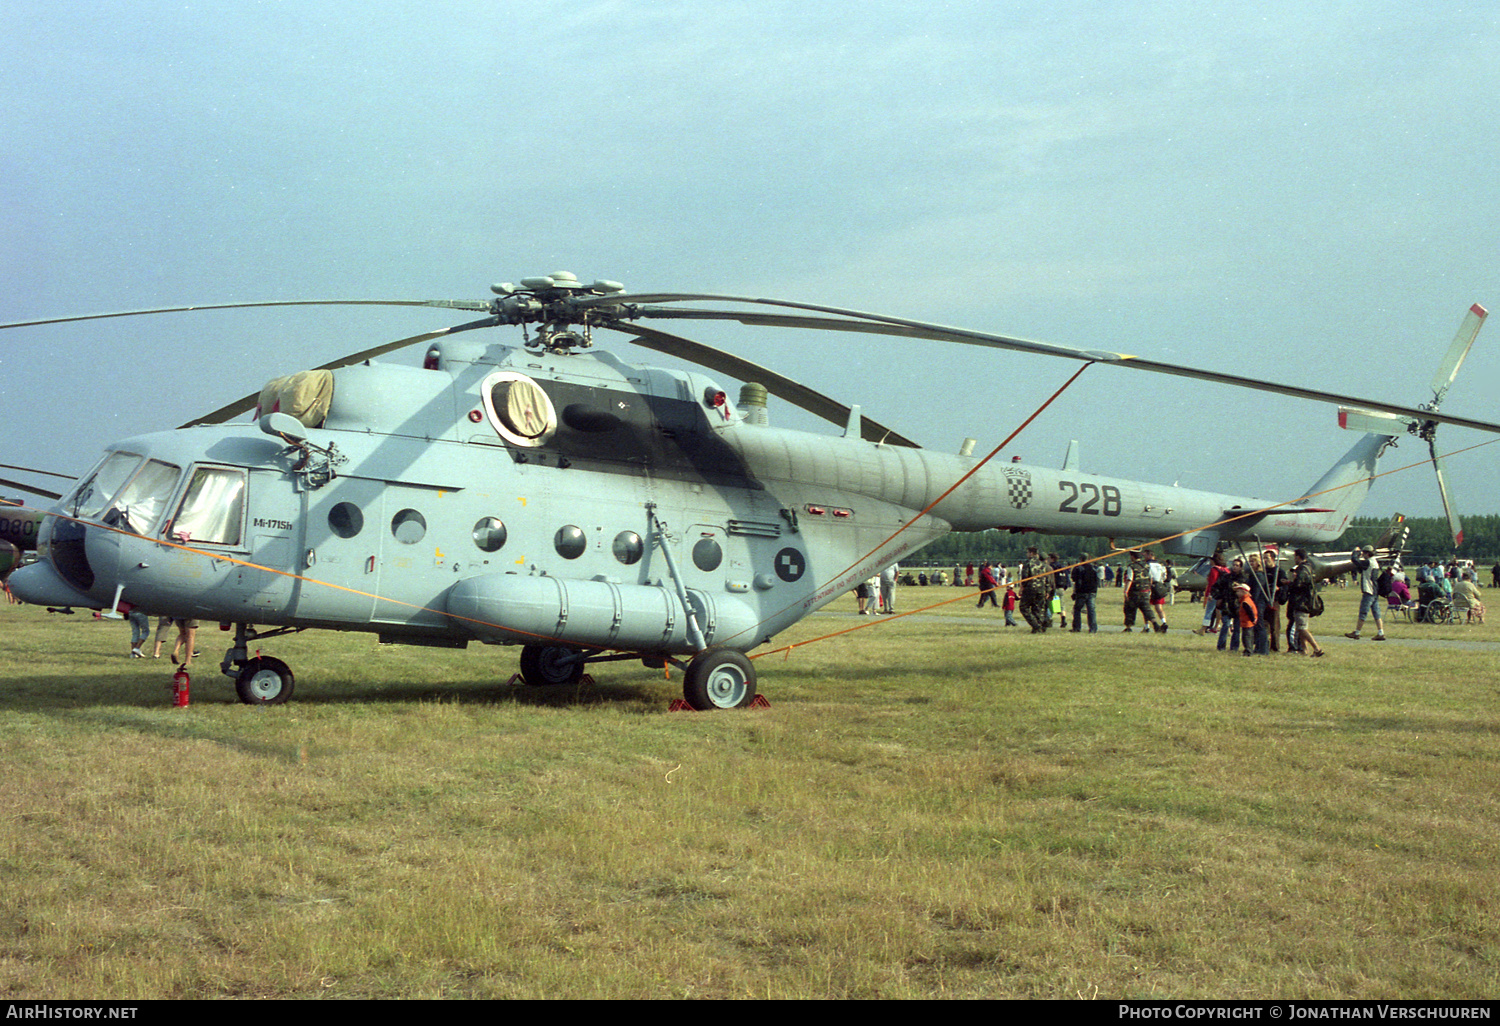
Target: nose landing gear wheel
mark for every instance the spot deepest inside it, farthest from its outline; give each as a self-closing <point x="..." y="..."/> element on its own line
<point x="264" y="681"/>
<point x="719" y="678"/>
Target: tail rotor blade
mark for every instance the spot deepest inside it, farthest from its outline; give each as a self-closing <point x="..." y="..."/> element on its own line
<point x="1454" y="524"/>
<point x="1369" y="422"/>
<point x="1448" y="370"/>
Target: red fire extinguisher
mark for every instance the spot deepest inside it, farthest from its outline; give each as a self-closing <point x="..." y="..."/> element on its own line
<point x="180" y="687"/>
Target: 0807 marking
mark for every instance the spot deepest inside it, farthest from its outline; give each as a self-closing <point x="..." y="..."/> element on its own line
<point x="1091" y="494"/>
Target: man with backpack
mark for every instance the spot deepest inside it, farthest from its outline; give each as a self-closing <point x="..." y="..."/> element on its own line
<point x="1303" y="602"/>
<point x="1374" y="586"/>
<point x="1138" y="594"/>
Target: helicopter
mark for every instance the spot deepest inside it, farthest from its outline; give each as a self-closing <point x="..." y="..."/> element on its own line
<point x="552" y="496"/>
<point x="19" y="523"/>
<point x="18" y="530"/>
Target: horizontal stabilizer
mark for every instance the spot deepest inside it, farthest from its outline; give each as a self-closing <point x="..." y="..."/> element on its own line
<point x="1370" y="422"/>
<point x="1242" y="515"/>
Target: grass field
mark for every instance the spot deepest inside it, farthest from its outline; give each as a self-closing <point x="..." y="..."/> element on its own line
<point x="930" y="808"/>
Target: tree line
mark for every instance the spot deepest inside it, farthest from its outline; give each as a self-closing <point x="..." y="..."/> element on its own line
<point x="1430" y="536"/>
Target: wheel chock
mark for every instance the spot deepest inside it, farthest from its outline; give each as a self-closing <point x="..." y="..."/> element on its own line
<point x="516" y="678"/>
<point x="681" y="704"/>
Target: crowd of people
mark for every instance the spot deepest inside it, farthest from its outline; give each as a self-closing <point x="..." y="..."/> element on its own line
<point x="1036" y="588"/>
<point x="1243" y="599"/>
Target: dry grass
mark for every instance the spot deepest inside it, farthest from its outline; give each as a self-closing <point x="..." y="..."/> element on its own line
<point x="930" y="808"/>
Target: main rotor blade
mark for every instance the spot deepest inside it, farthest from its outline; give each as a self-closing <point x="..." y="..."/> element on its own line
<point x="446" y="304"/>
<point x="33" y="489"/>
<point x="851" y="320"/>
<point x="1448" y="370"/>
<point x="1454" y="525"/>
<point x="248" y="402"/>
<point x="34" y="470"/>
<point x="797" y="394"/>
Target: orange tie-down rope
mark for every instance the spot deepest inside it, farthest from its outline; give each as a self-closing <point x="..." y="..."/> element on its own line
<point x="221" y="557"/>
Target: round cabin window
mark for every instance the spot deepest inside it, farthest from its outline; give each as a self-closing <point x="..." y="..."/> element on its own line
<point x="489" y="534"/>
<point x="409" y="527"/>
<point x="345" y="520"/>
<point x="570" y="542"/>
<point x="707" y="555"/>
<point x="628" y="547"/>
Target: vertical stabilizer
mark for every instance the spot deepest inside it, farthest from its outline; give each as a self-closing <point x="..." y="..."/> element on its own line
<point x="1346" y="484"/>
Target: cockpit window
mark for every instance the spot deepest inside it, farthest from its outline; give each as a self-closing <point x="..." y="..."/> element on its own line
<point x="99" y="487"/>
<point x="212" y="510"/>
<point x="140" y="503"/>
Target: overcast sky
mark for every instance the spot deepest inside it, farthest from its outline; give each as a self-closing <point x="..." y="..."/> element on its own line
<point x="1305" y="192"/>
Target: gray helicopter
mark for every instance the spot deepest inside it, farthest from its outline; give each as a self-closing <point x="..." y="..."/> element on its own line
<point x="1325" y="566"/>
<point x="552" y="496"/>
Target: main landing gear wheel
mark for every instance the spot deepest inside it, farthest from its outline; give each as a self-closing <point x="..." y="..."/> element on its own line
<point x="545" y="665"/>
<point x="719" y="678"/>
<point x="264" y="681"/>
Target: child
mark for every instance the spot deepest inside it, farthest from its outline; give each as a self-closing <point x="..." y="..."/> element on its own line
<point x="1010" y="605"/>
<point x="1249" y="616"/>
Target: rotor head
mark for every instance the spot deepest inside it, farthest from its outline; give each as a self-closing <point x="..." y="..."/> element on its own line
<point x="551" y="301"/>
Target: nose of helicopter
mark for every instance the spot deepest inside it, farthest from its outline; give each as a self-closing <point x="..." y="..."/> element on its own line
<point x="40" y="585"/>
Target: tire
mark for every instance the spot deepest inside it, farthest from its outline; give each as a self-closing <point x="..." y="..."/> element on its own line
<point x="265" y="681"/>
<point x="719" y="678"/>
<point x="550" y="665"/>
<point x="1438" y="612"/>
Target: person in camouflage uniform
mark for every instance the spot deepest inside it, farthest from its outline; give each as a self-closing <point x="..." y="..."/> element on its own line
<point x="1138" y="593"/>
<point x="1036" y="591"/>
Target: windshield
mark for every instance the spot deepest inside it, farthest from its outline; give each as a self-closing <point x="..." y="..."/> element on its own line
<point x="139" y="504"/>
<point x="100" y="486"/>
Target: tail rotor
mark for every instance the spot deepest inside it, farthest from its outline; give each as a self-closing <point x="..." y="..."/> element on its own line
<point x="1381" y="423"/>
